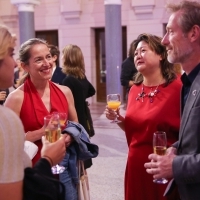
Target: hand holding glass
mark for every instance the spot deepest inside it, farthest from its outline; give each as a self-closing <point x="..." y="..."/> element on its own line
<point x="113" y="101"/>
<point x="159" y="148"/>
<point x="53" y="133"/>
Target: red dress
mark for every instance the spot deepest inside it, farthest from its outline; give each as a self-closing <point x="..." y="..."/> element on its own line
<point x="33" y="110"/>
<point x="141" y="121"/>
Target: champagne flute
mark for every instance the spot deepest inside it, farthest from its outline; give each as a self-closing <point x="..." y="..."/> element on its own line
<point x="113" y="101"/>
<point x="159" y="148"/>
<point x="63" y="120"/>
<point x="53" y="133"/>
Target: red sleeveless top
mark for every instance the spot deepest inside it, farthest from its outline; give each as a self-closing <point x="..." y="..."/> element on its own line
<point x="33" y="109"/>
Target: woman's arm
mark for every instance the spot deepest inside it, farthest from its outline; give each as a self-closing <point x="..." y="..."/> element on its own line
<point x="11" y="191"/>
<point x="121" y="123"/>
<point x="35" y="135"/>
<point x="72" y="115"/>
<point x="14" y="101"/>
<point x="91" y="90"/>
<point x="111" y="114"/>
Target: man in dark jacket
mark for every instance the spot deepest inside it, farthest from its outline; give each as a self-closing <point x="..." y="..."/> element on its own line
<point x="127" y="71"/>
<point x="57" y="75"/>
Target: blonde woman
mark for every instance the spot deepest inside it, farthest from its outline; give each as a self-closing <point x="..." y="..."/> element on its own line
<point x="73" y="67"/>
<point x="14" y="162"/>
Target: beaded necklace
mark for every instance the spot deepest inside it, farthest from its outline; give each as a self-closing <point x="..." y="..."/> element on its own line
<point x="150" y="95"/>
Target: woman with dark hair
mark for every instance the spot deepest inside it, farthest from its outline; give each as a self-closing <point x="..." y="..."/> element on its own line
<point x="153" y="105"/>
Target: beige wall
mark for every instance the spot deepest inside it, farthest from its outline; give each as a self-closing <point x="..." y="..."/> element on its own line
<point x="88" y="14"/>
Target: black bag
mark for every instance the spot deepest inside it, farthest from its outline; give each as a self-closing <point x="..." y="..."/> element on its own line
<point x="89" y="120"/>
<point x="39" y="186"/>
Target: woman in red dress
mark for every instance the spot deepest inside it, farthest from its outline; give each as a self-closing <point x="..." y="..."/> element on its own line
<point x="38" y="96"/>
<point x="153" y="105"/>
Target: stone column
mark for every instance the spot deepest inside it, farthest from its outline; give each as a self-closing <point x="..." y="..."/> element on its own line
<point x="113" y="38"/>
<point x="26" y="18"/>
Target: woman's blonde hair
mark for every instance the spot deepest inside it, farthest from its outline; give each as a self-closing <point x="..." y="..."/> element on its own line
<point x="73" y="61"/>
<point x="7" y="40"/>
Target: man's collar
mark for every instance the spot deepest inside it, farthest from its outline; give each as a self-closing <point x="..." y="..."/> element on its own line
<point x="188" y="79"/>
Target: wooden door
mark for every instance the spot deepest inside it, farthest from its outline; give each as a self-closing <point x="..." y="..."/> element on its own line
<point x="50" y="36"/>
<point x="101" y="60"/>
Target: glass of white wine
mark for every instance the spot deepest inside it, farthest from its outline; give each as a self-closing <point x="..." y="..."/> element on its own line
<point x="53" y="133"/>
<point x="159" y="148"/>
<point x="63" y="119"/>
<point x="113" y="101"/>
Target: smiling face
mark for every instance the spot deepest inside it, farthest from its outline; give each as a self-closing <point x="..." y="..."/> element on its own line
<point x="177" y="43"/>
<point x="7" y="66"/>
<point x="40" y="62"/>
<point x="145" y="59"/>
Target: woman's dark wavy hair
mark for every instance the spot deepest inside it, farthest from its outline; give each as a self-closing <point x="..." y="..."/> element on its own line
<point x="155" y="45"/>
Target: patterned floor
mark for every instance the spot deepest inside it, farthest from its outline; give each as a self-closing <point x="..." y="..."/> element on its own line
<point x="106" y="176"/>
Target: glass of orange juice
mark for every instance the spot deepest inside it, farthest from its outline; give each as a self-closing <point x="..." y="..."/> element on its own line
<point x="113" y="101"/>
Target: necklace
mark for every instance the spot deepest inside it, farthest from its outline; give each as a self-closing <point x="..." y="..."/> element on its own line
<point x="150" y="95"/>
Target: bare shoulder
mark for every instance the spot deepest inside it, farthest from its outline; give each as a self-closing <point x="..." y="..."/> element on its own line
<point x="64" y="89"/>
<point x="17" y="94"/>
<point x="71" y="109"/>
<point x="15" y="99"/>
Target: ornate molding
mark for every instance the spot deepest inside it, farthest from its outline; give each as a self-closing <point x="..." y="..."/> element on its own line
<point x="26" y="5"/>
<point x="112" y="2"/>
<point x="36" y="2"/>
<point x="10" y="20"/>
<point x="70" y="9"/>
<point x="142" y="7"/>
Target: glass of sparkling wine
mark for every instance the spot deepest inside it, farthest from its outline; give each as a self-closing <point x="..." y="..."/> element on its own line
<point x="113" y="101"/>
<point x="159" y="148"/>
<point x="63" y="120"/>
<point x="53" y="133"/>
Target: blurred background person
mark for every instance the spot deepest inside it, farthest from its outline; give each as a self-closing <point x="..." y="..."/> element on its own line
<point x="127" y="72"/>
<point x="57" y="74"/>
<point x="74" y="68"/>
<point x="19" y="73"/>
<point x="3" y="95"/>
<point x="153" y="105"/>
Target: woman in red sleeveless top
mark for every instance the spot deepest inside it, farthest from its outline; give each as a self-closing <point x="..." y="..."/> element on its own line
<point x="37" y="96"/>
<point x="153" y="105"/>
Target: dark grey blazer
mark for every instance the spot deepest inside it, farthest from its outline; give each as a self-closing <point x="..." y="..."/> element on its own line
<point x="186" y="166"/>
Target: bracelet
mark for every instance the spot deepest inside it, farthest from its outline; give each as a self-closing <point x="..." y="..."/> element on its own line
<point x="49" y="159"/>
